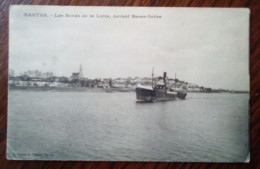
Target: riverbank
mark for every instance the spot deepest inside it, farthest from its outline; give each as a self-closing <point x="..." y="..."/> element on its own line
<point x="70" y="89"/>
<point x="109" y="90"/>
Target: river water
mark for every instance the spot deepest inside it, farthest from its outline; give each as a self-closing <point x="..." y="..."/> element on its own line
<point x="100" y="126"/>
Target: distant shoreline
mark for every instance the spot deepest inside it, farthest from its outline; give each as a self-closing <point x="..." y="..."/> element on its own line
<point x="109" y="90"/>
<point x="70" y="89"/>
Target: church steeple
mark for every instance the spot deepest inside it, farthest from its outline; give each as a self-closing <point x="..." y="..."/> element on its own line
<point x="80" y="71"/>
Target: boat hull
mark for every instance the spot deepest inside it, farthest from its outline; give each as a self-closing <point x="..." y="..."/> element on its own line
<point x="181" y="95"/>
<point x="145" y="94"/>
<point x="151" y="95"/>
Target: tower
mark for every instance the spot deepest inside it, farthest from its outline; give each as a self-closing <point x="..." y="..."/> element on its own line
<point x="80" y="72"/>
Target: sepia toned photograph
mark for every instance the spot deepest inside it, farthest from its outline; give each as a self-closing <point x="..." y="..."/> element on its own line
<point x="128" y="84"/>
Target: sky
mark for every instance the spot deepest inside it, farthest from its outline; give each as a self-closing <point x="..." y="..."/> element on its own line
<point x="205" y="46"/>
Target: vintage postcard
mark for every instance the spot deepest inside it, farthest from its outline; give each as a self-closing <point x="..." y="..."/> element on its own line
<point x="128" y="84"/>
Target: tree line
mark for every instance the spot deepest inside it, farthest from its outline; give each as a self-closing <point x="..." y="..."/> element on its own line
<point x="33" y="73"/>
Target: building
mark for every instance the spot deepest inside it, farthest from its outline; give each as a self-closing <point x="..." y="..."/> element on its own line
<point x="77" y="75"/>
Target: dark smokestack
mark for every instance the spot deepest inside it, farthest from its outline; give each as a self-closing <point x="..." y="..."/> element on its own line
<point x="164" y="75"/>
<point x="164" y="78"/>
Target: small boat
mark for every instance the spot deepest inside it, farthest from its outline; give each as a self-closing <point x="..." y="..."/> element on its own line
<point x="181" y="95"/>
<point x="158" y="92"/>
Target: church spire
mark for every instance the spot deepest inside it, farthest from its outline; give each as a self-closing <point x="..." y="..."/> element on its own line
<point x="80" y="71"/>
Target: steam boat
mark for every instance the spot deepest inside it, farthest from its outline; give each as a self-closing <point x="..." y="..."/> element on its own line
<point x="158" y="92"/>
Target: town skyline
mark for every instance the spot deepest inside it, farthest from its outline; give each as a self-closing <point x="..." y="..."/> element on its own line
<point x="80" y="75"/>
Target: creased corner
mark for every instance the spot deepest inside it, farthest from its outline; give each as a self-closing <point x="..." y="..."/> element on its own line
<point x="11" y="153"/>
<point x="247" y="160"/>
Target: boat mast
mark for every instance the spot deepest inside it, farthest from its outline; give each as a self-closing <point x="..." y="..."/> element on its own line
<point x="152" y="77"/>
